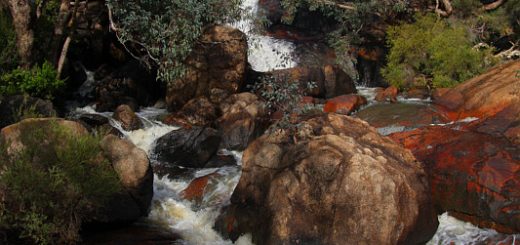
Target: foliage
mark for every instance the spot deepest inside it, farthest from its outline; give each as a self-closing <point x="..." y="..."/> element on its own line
<point x="44" y="30"/>
<point x="163" y="33"/>
<point x="284" y="96"/>
<point x="38" y="82"/>
<point x="432" y="52"/>
<point x="354" y="22"/>
<point x="8" y="55"/>
<point x="57" y="182"/>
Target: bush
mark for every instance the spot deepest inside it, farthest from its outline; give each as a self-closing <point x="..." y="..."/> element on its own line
<point x="163" y="33"/>
<point x="38" y="82"/>
<point x="55" y="184"/>
<point x="282" y="95"/>
<point x="433" y="53"/>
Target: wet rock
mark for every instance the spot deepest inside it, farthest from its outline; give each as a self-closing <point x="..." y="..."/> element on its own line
<point x="484" y="95"/>
<point x="18" y="107"/>
<point x="272" y="10"/>
<point x="218" y="63"/>
<point x="195" y="190"/>
<point x="330" y="80"/>
<point x="387" y="95"/>
<point x="188" y="147"/>
<point x="345" y="104"/>
<point x="130" y="84"/>
<point x="197" y="112"/>
<point x="418" y="93"/>
<point x="129" y="120"/>
<point x="93" y="120"/>
<point x="471" y="172"/>
<point x="402" y="115"/>
<point x="220" y="160"/>
<point x="135" y="174"/>
<point x="136" y="234"/>
<point x="99" y="124"/>
<point x="241" y="121"/>
<point x="339" y="183"/>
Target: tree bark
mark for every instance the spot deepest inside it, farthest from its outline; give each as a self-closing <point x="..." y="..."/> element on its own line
<point x="448" y="9"/>
<point x="21" y="13"/>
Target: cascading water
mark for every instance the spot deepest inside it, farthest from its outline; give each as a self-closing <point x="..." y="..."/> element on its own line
<point x="194" y="221"/>
<point x="265" y="53"/>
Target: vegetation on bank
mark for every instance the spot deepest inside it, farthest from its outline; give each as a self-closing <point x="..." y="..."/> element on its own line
<point x="440" y="48"/>
<point x="161" y="34"/>
<point x="38" y="81"/>
<point x="57" y="182"/>
<point x="433" y="53"/>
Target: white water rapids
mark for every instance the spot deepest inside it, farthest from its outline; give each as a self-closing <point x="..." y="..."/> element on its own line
<point x="194" y="221"/>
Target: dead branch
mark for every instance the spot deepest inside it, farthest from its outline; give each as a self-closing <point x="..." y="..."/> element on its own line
<point x="448" y="9"/>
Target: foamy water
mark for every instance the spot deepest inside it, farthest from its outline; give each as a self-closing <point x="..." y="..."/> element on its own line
<point x="265" y="53"/>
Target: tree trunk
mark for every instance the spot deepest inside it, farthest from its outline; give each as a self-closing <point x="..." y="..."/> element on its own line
<point x="21" y="13"/>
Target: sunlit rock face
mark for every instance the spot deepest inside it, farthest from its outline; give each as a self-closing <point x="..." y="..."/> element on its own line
<point x="336" y="182"/>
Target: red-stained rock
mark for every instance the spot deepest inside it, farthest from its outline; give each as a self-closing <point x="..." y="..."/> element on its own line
<point x="345" y="104"/>
<point x="340" y="182"/>
<point x="196" y="188"/>
<point x="471" y="172"/>
<point x="485" y="95"/>
<point x="388" y="94"/>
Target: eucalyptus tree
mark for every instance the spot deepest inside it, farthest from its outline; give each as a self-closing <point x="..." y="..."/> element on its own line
<point x="161" y="34"/>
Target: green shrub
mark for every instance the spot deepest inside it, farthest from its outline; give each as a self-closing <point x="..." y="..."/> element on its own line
<point x="38" y="82"/>
<point x="431" y="52"/>
<point x="283" y="95"/>
<point x="55" y="184"/>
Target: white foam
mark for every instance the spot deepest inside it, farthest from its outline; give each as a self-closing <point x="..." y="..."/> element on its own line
<point x="265" y="53"/>
<point x="453" y="231"/>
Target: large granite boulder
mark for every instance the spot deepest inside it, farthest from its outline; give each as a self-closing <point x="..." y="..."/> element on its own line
<point x="473" y="168"/>
<point x="216" y="67"/>
<point x="336" y="182"/>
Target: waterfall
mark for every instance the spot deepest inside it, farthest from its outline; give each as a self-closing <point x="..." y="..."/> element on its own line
<point x="265" y="53"/>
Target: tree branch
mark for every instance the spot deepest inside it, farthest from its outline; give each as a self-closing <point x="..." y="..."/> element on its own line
<point x="448" y="9"/>
<point x="493" y="5"/>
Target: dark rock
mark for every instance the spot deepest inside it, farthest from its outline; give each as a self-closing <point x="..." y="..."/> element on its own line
<point x="93" y="120"/>
<point x="191" y="148"/>
<point x="330" y="80"/>
<point x="130" y="84"/>
<point x="18" y="107"/>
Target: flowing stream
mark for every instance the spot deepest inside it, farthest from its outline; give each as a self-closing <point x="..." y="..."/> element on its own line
<point x="194" y="221"/>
